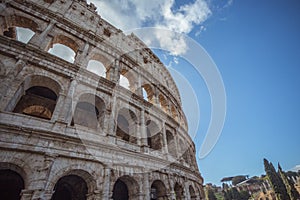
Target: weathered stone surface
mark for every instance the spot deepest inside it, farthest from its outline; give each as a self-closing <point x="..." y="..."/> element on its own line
<point x="61" y="124"/>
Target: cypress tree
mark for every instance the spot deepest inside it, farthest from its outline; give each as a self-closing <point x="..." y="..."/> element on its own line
<point x="275" y="181"/>
<point x="291" y="190"/>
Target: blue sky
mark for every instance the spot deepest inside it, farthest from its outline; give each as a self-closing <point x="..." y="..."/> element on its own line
<point x="256" y="47"/>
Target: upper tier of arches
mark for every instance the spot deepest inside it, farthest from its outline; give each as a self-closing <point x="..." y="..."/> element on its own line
<point x="151" y="81"/>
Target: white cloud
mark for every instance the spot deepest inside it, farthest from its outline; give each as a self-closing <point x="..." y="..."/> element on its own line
<point x="296" y="168"/>
<point x="131" y="14"/>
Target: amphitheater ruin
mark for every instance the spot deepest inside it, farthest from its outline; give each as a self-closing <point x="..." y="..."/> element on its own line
<point x="104" y="123"/>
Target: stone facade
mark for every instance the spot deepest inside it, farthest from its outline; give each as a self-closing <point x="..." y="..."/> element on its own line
<point x="69" y="133"/>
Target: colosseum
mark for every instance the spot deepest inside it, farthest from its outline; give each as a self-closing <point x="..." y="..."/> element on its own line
<point x="105" y="122"/>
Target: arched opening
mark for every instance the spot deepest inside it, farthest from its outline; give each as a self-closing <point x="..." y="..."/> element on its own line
<point x="120" y="191"/>
<point x="126" y="125"/>
<point x="89" y="111"/>
<point x="174" y="113"/>
<point x="11" y="185"/>
<point x="64" y="48"/>
<point x="63" y="52"/>
<point x="19" y="28"/>
<point x="148" y="93"/>
<point x="70" y="187"/>
<point x="158" y="191"/>
<point x="125" y="188"/>
<point x="97" y="67"/>
<point x="192" y="193"/>
<point x="171" y="143"/>
<point x="145" y="95"/>
<point x="178" y="191"/>
<point x="124" y="82"/>
<point x="163" y="103"/>
<point x="154" y="136"/>
<point x="38" y="101"/>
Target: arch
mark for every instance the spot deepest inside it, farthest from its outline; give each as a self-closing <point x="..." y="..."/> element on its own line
<point x="158" y="190"/>
<point x="127" y="125"/>
<point x="179" y="192"/>
<point x="193" y="195"/>
<point x="63" y="47"/>
<point x="101" y="58"/>
<point x="124" y="82"/>
<point x="125" y="188"/>
<point x="148" y="93"/>
<point x="70" y="187"/>
<point x="171" y="143"/>
<point x="11" y="184"/>
<point x="174" y="113"/>
<point x="89" y="111"/>
<point x="96" y="67"/>
<point x="163" y="103"/>
<point x="38" y="101"/>
<point x="154" y="135"/>
<point x="128" y="80"/>
<point x="16" y="25"/>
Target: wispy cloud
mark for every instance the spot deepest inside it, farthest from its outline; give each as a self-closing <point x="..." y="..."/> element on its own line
<point x="296" y="168"/>
<point x="132" y="14"/>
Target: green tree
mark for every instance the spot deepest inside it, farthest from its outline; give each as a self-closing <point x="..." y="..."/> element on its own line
<point x="275" y="181"/>
<point x="234" y="194"/>
<point x="291" y="190"/>
<point x="238" y="179"/>
<point x="211" y="195"/>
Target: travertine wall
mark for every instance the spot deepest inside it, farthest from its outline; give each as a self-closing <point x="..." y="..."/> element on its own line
<point x="61" y="123"/>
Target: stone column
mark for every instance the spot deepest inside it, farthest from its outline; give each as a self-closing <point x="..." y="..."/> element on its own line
<point x="138" y="86"/>
<point x="164" y="137"/>
<point x="171" y="186"/>
<point x="111" y="130"/>
<point x="81" y="55"/>
<point x="67" y="110"/>
<point x="146" y="188"/>
<point x="177" y="153"/>
<point x="42" y="40"/>
<point x="58" y="106"/>
<point x="114" y="72"/>
<point x="10" y="86"/>
<point x="143" y="133"/>
<point x="106" y="184"/>
<point x="155" y="97"/>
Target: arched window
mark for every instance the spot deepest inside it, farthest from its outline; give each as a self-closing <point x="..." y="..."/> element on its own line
<point x="70" y="187"/>
<point x="154" y="136"/>
<point x="97" y="67"/>
<point x="125" y="188"/>
<point x="124" y="82"/>
<point x="89" y="111"/>
<point x="11" y="184"/>
<point x="38" y="101"/>
<point x="126" y="125"/>
<point x="158" y="190"/>
<point x="174" y="113"/>
<point x="145" y="96"/>
<point x="20" y="28"/>
<point x="120" y="191"/>
<point x="148" y="93"/>
<point x="24" y="34"/>
<point x="163" y="103"/>
<point x="178" y="191"/>
<point x="63" y="52"/>
<point x="64" y="48"/>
